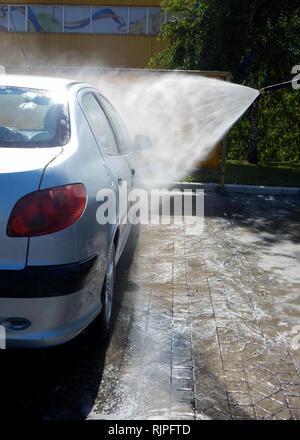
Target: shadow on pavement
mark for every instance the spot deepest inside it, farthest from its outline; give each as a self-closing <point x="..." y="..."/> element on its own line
<point x="60" y="382"/>
<point x="261" y="214"/>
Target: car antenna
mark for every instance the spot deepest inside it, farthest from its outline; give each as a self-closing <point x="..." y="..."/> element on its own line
<point x="20" y="42"/>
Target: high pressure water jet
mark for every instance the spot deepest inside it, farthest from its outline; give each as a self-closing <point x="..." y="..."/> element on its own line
<point x="184" y="115"/>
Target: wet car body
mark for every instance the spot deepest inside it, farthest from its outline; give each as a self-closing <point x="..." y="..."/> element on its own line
<point x="51" y="284"/>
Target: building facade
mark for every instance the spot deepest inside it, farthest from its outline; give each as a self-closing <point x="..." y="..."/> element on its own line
<point x="107" y="33"/>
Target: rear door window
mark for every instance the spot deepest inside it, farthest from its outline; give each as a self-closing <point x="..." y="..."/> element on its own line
<point x="101" y="127"/>
<point x="121" y="130"/>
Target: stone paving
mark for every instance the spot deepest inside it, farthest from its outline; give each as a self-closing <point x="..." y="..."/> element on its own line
<point x="212" y="318"/>
<point x="206" y="326"/>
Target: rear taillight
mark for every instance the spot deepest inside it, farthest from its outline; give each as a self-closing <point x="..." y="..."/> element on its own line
<point x="47" y="211"/>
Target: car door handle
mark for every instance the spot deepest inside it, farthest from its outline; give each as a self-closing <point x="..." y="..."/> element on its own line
<point x="133" y="171"/>
<point x="120" y="180"/>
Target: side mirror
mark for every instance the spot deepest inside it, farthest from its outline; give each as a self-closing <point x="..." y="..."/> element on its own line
<point x="141" y="143"/>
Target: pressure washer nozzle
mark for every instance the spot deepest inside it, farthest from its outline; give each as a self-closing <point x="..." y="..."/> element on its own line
<point x="278" y="86"/>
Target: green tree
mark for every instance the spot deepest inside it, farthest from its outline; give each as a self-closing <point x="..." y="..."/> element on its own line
<point x="279" y="129"/>
<point x="258" y="41"/>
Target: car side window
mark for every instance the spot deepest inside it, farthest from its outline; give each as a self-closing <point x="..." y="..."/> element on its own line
<point x="100" y="124"/>
<point x="122" y="133"/>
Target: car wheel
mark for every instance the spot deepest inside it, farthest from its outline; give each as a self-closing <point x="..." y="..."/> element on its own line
<point x="107" y="296"/>
<point x="99" y="329"/>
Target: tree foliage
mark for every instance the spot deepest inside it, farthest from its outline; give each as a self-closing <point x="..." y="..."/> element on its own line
<point x="184" y="31"/>
<point x="279" y="130"/>
<point x="258" y="41"/>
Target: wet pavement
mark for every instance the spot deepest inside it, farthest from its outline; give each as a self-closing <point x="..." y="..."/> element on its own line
<point x="206" y="327"/>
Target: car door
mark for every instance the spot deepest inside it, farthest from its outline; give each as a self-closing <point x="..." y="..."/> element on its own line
<point x="124" y="141"/>
<point x="108" y="145"/>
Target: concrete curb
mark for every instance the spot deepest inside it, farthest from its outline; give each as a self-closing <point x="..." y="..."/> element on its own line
<point x="244" y="189"/>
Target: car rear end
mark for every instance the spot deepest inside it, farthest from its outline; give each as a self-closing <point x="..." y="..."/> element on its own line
<point x="43" y="301"/>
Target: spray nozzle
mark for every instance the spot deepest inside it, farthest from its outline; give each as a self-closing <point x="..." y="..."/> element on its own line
<point x="269" y="89"/>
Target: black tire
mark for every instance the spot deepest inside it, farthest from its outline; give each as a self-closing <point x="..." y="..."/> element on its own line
<point x="107" y="297"/>
<point x="98" y="331"/>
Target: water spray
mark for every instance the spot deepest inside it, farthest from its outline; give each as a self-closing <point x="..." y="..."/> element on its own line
<point x="283" y="85"/>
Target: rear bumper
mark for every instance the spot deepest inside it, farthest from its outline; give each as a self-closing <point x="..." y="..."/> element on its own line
<point x="53" y="321"/>
<point x="56" y="302"/>
<point x="47" y="281"/>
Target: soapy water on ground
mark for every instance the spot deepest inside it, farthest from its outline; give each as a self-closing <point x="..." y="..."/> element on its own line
<point x="183" y="115"/>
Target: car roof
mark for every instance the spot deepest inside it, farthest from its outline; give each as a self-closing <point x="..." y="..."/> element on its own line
<point x="35" y="82"/>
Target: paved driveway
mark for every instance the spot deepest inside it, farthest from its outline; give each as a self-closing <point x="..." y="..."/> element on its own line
<point x="206" y="326"/>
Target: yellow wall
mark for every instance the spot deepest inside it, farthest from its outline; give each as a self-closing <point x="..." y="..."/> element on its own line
<point x="131" y="51"/>
<point x="107" y="50"/>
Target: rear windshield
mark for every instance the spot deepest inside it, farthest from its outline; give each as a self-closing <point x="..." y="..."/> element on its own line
<point x="32" y="118"/>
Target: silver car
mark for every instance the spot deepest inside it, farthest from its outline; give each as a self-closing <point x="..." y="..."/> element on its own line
<point x="60" y="143"/>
